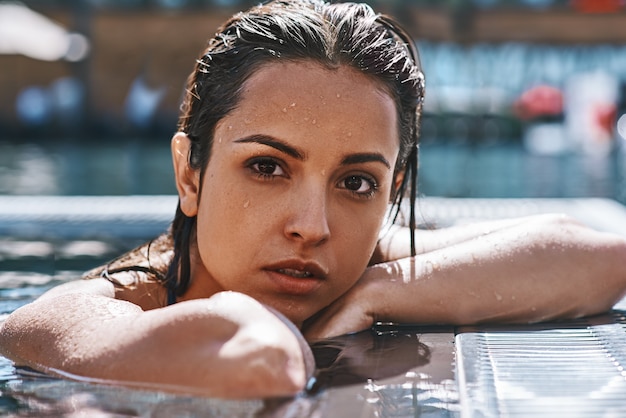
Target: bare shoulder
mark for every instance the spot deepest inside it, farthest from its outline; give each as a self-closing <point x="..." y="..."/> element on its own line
<point x="138" y="276"/>
<point x="137" y="288"/>
<point x="99" y="287"/>
<point x="134" y="287"/>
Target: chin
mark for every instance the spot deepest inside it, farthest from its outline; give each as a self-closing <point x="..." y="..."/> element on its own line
<point x="295" y="314"/>
<point x="296" y="318"/>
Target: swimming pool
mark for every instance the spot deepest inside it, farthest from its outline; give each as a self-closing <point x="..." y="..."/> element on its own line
<point x="392" y="371"/>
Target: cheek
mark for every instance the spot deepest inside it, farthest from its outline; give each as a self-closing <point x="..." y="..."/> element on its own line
<point x="358" y="232"/>
<point x="231" y="217"/>
<point x="219" y="211"/>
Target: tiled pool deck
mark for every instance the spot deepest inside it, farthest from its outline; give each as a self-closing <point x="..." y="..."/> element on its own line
<point x="568" y="369"/>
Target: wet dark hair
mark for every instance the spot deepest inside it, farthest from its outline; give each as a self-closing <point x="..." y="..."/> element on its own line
<point x="330" y="34"/>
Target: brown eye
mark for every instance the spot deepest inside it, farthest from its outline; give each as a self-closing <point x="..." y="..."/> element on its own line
<point x="359" y="185"/>
<point x="266" y="167"/>
<point x="353" y="183"/>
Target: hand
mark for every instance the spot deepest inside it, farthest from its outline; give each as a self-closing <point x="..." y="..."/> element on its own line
<point x="352" y="312"/>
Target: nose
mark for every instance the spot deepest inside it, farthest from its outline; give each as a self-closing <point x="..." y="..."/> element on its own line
<point x="308" y="217"/>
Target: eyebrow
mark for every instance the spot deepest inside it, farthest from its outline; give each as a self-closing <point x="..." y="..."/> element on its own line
<point x="365" y="157"/>
<point x="274" y="143"/>
<point x="358" y="158"/>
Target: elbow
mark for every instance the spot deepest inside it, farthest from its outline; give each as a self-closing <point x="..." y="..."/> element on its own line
<point x="269" y="372"/>
<point x="277" y="372"/>
<point x="294" y="373"/>
<point x="8" y="339"/>
<point x="261" y="360"/>
<point x="606" y="275"/>
<point x="14" y="333"/>
<point x="269" y="366"/>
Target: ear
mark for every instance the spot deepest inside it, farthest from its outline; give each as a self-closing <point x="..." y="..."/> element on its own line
<point x="398" y="180"/>
<point x="187" y="179"/>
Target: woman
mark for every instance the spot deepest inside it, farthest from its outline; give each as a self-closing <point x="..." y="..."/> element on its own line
<point x="298" y="129"/>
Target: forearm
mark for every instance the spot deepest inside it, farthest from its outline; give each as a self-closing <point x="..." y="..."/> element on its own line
<point x="204" y="346"/>
<point x="525" y="273"/>
<point x="395" y="244"/>
<point x="546" y="268"/>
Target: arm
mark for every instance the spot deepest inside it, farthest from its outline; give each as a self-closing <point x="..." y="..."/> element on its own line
<point x="226" y="346"/>
<point x="544" y="268"/>
<point x="395" y="244"/>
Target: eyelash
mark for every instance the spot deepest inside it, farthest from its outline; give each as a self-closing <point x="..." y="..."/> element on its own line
<point x="253" y="166"/>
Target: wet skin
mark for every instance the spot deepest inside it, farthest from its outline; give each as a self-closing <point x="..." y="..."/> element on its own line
<point x="299" y="179"/>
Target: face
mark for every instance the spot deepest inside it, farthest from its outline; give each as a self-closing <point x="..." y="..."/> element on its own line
<point x="295" y="192"/>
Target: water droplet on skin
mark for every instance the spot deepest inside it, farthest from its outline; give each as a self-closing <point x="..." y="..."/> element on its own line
<point x="230" y="127"/>
<point x="284" y="110"/>
<point x="313" y="122"/>
<point x="246" y="204"/>
<point x="498" y="296"/>
<point x="338" y="95"/>
<point x="293" y="104"/>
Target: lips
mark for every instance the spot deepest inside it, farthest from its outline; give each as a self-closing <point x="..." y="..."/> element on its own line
<point x="299" y="274"/>
<point x="296" y="277"/>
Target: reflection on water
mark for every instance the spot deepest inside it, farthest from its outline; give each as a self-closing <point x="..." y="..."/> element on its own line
<point x="395" y="372"/>
<point x="416" y="398"/>
<point x="86" y="168"/>
<point x="506" y="170"/>
<point x="29" y="171"/>
<point x="27" y="394"/>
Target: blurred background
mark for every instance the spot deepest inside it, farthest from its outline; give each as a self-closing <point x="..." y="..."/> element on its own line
<point x="525" y="98"/>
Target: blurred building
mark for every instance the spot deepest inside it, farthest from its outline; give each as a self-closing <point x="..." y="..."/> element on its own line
<point x="479" y="57"/>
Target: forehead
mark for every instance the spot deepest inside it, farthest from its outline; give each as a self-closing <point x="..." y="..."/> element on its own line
<point x="311" y="79"/>
<point x="315" y="98"/>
